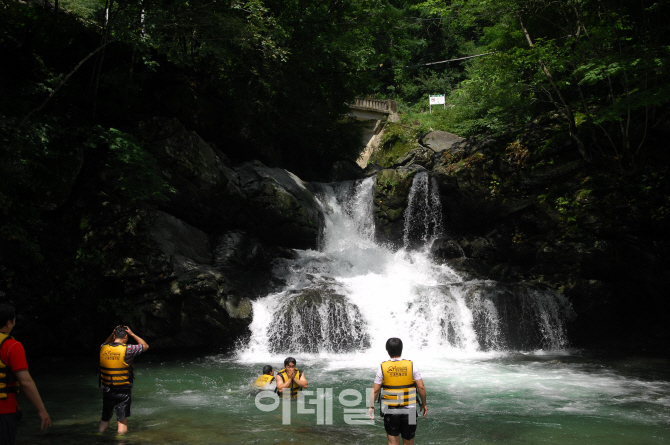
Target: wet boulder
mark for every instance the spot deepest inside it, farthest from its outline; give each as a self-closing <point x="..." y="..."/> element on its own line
<point x="204" y="190"/>
<point x="390" y="199"/>
<point x="317" y="320"/>
<point x="279" y="207"/>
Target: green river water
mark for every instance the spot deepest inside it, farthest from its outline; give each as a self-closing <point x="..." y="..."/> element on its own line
<point x="572" y="398"/>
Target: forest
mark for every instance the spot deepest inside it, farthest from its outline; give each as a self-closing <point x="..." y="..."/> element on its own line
<point x="270" y="80"/>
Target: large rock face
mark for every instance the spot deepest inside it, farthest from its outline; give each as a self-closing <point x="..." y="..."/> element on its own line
<point x="390" y="200"/>
<point x="279" y="208"/>
<point x="205" y="191"/>
<point x="184" y="271"/>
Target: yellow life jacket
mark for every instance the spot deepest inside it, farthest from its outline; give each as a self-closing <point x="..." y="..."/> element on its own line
<point x="263" y="380"/>
<point x="398" y="385"/>
<point x="294" y="387"/>
<point x="8" y="383"/>
<point x="114" y="371"/>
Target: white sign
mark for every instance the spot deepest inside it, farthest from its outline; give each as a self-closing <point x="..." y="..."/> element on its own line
<point x="437" y="99"/>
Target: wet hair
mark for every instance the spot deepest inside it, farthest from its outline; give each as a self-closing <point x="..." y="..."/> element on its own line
<point x="267" y="369"/>
<point x="394" y="347"/>
<point x="7" y="313"/>
<point x="120" y="332"/>
<point x="289" y="360"/>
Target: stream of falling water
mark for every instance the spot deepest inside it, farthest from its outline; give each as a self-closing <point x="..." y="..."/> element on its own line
<point x="353" y="294"/>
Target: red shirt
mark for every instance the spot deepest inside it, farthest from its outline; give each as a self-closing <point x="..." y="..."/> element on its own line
<point x="13" y="355"/>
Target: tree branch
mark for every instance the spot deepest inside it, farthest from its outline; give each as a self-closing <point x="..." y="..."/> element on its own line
<point x="43" y="104"/>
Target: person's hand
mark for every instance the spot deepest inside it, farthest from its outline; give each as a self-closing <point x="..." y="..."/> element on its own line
<point x="371" y="413"/>
<point x="44" y="418"/>
<point x="290" y="372"/>
<point x="128" y="331"/>
<point x="425" y="410"/>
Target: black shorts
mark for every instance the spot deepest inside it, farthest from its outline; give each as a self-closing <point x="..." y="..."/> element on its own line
<point x="399" y="424"/>
<point x="116" y="398"/>
<point x="9" y="424"/>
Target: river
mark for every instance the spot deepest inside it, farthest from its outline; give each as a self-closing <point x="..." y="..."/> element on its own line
<point x="495" y="358"/>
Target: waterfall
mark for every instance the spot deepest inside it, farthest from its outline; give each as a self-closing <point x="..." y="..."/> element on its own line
<point x="423" y="215"/>
<point x="353" y="294"/>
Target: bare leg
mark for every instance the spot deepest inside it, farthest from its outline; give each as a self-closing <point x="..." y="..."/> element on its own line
<point x="393" y="440"/>
<point x="123" y="427"/>
<point x="103" y="426"/>
<point x="408" y="442"/>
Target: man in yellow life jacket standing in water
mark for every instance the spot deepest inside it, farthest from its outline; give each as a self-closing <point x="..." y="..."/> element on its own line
<point x="399" y="381"/>
<point x="290" y="379"/>
<point x="116" y="376"/>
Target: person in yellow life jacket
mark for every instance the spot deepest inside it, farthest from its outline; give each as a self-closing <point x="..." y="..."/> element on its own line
<point x="116" y="376"/>
<point x="290" y="380"/>
<point x="15" y="378"/>
<point x="267" y="378"/>
<point x="398" y="382"/>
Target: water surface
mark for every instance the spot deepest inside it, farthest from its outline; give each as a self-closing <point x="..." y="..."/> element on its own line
<point x="496" y="398"/>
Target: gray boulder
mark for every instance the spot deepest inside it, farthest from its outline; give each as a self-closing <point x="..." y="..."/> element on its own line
<point x="440" y="140"/>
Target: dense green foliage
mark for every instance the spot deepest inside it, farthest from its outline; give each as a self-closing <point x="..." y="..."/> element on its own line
<point x="600" y="65"/>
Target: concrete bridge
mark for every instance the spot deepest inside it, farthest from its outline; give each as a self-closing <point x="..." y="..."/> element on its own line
<point x="376" y="112"/>
<point x="374" y="109"/>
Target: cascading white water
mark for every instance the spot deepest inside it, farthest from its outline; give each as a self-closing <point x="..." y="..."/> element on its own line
<point x="423" y="215"/>
<point x="353" y="294"/>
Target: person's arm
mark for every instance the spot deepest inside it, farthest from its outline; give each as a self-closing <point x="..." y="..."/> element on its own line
<point x="373" y="396"/>
<point x="29" y="388"/>
<point x="302" y="381"/>
<point x="281" y="384"/>
<point x="421" y="388"/>
<point x="137" y="338"/>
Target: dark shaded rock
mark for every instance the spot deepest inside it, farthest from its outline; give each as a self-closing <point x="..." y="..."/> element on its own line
<point x="505" y="272"/>
<point x="183" y="243"/>
<point x="445" y="248"/>
<point x="421" y="156"/>
<point x="237" y="249"/>
<point x="469" y="268"/>
<point x="478" y="248"/>
<point x="280" y="209"/>
<point x="205" y="191"/>
<point x="372" y="169"/>
<point x="345" y="171"/>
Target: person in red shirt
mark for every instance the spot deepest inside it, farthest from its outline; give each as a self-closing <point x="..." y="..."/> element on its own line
<point x="14" y="377"/>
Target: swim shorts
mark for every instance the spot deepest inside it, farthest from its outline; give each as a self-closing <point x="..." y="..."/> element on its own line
<point x="9" y="424"/>
<point x="116" y="398"/>
<point x="398" y="424"/>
